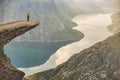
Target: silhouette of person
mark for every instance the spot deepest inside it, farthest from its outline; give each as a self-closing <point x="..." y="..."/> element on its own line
<point x="28" y="16"/>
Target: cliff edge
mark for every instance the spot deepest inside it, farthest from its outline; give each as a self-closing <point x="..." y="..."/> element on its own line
<point x="8" y="32"/>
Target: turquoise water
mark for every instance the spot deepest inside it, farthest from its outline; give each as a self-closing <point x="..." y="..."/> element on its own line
<point x="29" y="54"/>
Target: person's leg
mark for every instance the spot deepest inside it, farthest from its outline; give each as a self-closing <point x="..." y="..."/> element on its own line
<point x="27" y="18"/>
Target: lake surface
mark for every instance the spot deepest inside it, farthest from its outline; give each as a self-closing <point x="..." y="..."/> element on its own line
<point x="29" y="54"/>
<point x="94" y="28"/>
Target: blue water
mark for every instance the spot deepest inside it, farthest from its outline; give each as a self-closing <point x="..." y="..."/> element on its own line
<point x="29" y="54"/>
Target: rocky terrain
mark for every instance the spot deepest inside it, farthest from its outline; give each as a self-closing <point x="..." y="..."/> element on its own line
<point x="115" y="27"/>
<point x="99" y="62"/>
<point x="8" y="32"/>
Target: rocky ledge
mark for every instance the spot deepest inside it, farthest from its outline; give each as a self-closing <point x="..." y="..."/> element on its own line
<point x="8" y="32"/>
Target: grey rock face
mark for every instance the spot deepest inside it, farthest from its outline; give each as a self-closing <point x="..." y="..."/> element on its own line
<point x="13" y="29"/>
<point x="7" y="71"/>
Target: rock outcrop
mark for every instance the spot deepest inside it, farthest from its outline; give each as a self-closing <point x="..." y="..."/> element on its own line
<point x="56" y="26"/>
<point x="115" y="26"/>
<point x="8" y="32"/>
<point x="99" y="62"/>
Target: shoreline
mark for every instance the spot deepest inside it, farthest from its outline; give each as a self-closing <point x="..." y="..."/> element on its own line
<point x="87" y="25"/>
<point x="90" y="25"/>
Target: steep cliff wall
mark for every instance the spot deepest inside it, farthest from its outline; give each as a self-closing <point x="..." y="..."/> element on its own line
<point x="8" y="32"/>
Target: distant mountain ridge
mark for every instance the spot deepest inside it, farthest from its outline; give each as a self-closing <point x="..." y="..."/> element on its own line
<point x="54" y="16"/>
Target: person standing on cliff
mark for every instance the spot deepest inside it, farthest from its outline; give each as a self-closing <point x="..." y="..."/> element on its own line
<point x="28" y="16"/>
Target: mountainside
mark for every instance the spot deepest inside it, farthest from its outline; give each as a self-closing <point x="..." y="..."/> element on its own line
<point x="8" y="32"/>
<point x="55" y="17"/>
<point x="56" y="27"/>
<point x="115" y="27"/>
<point x="99" y="62"/>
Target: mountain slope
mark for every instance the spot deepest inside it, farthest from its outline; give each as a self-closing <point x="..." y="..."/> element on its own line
<point x="56" y="27"/>
<point x="56" y="24"/>
<point x="99" y="62"/>
<point x="54" y="15"/>
<point x="115" y="27"/>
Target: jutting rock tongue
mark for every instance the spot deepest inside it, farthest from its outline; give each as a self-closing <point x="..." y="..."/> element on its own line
<point x="8" y="32"/>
